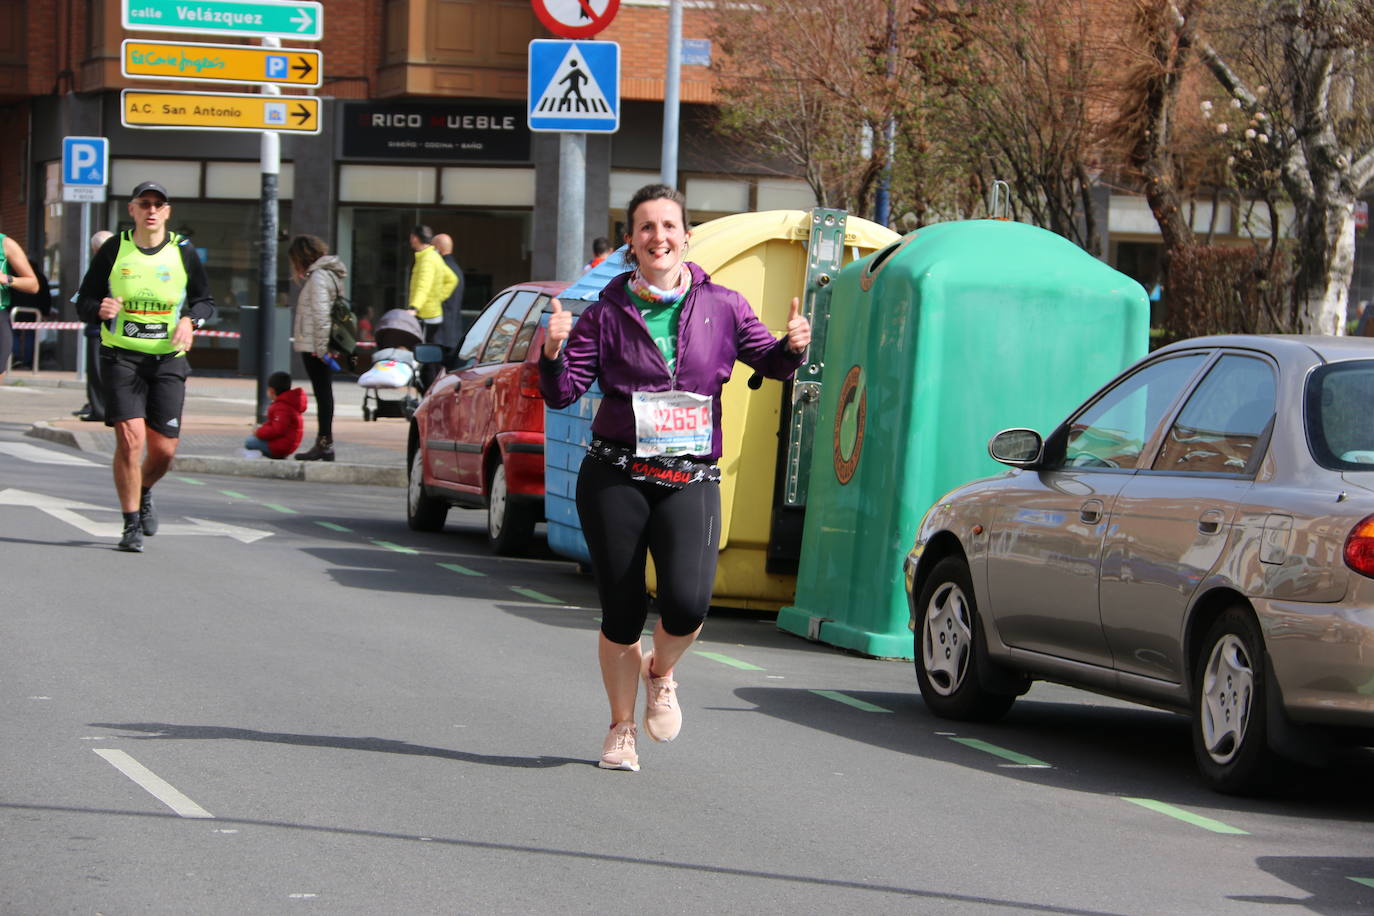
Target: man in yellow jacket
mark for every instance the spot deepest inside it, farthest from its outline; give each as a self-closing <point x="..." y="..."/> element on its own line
<point x="431" y="282"/>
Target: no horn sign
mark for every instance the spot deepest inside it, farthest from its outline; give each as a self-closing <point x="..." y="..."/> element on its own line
<point x="574" y="86"/>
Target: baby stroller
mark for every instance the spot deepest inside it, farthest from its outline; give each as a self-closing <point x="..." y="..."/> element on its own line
<point x="389" y="385"/>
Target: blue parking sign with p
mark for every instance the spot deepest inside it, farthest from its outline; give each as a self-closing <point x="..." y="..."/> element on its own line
<point x="85" y="161"/>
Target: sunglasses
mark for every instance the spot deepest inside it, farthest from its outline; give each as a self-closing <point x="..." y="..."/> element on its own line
<point x="144" y="204"/>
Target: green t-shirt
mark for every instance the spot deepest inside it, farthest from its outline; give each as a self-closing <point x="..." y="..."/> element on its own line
<point x="662" y="323"/>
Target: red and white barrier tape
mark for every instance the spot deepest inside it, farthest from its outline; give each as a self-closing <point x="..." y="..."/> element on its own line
<point x="77" y="325"/>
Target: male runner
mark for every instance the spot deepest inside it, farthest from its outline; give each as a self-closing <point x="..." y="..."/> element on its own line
<point x="148" y="289"/>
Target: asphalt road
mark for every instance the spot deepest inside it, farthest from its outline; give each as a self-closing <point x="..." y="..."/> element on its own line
<point x="290" y="703"/>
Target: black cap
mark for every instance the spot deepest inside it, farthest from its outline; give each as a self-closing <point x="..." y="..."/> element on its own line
<point x="145" y="186"/>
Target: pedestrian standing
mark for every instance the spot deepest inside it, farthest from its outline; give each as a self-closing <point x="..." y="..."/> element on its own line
<point x="15" y="274"/>
<point x="431" y="282"/>
<point x="148" y="289"/>
<point x="94" y="411"/>
<point x="601" y="247"/>
<point x="322" y="281"/>
<point x="662" y="340"/>
<point x="450" y="333"/>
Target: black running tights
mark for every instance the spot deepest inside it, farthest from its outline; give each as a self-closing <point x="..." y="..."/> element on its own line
<point x="322" y="384"/>
<point x="623" y="520"/>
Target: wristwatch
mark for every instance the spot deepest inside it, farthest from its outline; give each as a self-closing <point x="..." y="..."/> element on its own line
<point x="195" y="322"/>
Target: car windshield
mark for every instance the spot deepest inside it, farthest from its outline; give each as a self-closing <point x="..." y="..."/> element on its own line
<point x="1340" y="415"/>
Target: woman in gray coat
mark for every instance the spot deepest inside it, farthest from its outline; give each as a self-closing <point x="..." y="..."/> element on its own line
<point x="321" y="275"/>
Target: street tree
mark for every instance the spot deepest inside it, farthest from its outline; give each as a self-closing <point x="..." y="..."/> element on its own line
<point x="1290" y="134"/>
<point x="1026" y="83"/>
<point x="1299" y="76"/>
<point x="810" y="87"/>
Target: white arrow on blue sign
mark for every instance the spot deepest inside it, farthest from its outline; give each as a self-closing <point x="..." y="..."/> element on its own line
<point x="574" y="86"/>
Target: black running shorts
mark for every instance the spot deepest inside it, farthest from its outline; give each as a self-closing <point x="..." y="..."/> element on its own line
<point x="6" y="339"/>
<point x="144" y="385"/>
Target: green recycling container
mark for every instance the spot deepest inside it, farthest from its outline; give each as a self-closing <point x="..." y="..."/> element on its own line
<point x="936" y="343"/>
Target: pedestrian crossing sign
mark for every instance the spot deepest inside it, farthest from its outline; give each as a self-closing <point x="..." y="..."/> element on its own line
<point x="574" y="86"/>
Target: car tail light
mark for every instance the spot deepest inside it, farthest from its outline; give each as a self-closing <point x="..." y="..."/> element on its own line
<point x="1359" y="547"/>
<point x="529" y="380"/>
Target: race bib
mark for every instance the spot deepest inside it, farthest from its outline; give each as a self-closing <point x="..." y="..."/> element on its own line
<point x="152" y="330"/>
<point x="672" y="423"/>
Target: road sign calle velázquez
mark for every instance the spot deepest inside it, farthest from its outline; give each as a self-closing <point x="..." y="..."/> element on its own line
<point x="243" y="18"/>
<point x="220" y="111"/>
<point x="196" y="62"/>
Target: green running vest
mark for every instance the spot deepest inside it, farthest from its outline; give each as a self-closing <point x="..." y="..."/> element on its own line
<point x="4" y="269"/>
<point x="152" y="287"/>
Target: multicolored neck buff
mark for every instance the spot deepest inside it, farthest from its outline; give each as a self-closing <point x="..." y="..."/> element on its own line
<point x="655" y="296"/>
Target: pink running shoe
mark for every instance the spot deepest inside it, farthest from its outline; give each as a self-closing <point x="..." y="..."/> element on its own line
<point x="662" y="715"/>
<point x="618" y="750"/>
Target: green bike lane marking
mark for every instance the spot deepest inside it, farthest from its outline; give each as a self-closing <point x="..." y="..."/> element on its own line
<point x="454" y="567"/>
<point x="233" y="494"/>
<point x="282" y="509"/>
<point x="726" y="660"/>
<point x="333" y="527"/>
<point x="1188" y="817"/>
<point x="1367" y="882"/>
<point x="537" y="596"/>
<point x="847" y="700"/>
<point x="192" y="481"/>
<point x="1015" y="757"/>
<point x="396" y="547"/>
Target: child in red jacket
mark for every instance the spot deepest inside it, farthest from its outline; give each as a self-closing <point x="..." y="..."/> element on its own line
<point x="281" y="434"/>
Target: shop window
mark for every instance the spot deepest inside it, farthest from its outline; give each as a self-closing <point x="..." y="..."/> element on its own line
<point x="717" y="195"/>
<point x="181" y="179"/>
<point x="781" y="194"/>
<point x="388" y="184"/>
<point x="243" y="180"/>
<point x="487" y="187"/>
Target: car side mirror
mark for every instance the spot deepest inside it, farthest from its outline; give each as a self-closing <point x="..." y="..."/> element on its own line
<point x="1020" y="448"/>
<point x="429" y="353"/>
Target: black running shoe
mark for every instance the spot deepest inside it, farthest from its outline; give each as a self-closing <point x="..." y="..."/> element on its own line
<point x="147" y="514"/>
<point x="133" y="538"/>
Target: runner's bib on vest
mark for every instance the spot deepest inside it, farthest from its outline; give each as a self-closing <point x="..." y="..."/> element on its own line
<point x="672" y="423"/>
<point x="152" y="287"/>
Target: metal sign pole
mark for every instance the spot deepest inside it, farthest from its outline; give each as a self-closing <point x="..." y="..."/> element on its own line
<point x="671" y="94"/>
<point x="572" y="203"/>
<point x="85" y="262"/>
<point x="267" y="264"/>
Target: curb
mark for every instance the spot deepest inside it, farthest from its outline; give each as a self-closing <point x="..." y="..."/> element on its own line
<point x="309" y="471"/>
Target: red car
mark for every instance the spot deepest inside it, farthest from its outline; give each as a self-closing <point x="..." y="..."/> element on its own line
<point x="477" y="438"/>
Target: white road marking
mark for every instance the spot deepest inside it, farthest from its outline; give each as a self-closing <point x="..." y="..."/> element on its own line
<point x="39" y="455"/>
<point x="154" y="784"/>
<point x="67" y="510"/>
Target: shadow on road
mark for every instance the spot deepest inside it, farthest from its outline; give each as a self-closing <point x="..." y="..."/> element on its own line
<point x="165" y="731"/>
<point x="602" y="858"/>
<point x="1338" y="886"/>
<point x="1105" y="749"/>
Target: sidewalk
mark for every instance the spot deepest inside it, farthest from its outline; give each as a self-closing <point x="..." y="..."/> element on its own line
<point x="218" y="416"/>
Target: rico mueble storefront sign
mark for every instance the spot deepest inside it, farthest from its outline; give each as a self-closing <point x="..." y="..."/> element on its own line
<point x="443" y="131"/>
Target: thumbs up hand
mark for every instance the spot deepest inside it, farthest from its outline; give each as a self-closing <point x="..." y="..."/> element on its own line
<point x="798" y="328"/>
<point x="560" y="326"/>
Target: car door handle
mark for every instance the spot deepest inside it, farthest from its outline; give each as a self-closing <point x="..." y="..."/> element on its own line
<point x="1091" y="513"/>
<point x="1210" y="521"/>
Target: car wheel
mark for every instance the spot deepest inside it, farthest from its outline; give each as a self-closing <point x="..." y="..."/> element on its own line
<point x="948" y="654"/>
<point x="423" y="512"/>
<point x="1230" y="737"/>
<point x="509" y="524"/>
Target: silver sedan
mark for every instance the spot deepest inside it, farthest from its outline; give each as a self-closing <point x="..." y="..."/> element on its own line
<point x="1198" y="536"/>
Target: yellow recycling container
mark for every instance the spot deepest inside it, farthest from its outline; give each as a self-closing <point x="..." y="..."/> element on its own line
<point x="769" y="258"/>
